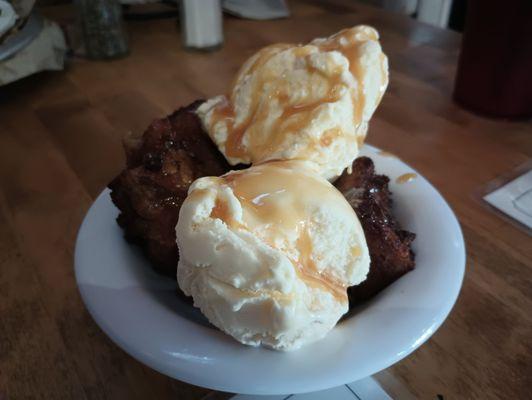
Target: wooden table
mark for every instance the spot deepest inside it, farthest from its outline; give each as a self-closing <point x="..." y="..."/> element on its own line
<point x="60" y="144"/>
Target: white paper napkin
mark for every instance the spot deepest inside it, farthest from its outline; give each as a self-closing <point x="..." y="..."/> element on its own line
<point x="515" y="199"/>
<point x="365" y="389"/>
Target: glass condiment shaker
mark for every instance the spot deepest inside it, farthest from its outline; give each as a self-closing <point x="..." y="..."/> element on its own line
<point x="201" y="24"/>
<point x="103" y="30"/>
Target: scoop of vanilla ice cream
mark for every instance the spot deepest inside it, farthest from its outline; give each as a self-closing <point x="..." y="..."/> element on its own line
<point x="310" y="102"/>
<point x="267" y="253"/>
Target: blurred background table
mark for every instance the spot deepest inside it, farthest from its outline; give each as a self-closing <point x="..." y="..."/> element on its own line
<point x="60" y="144"/>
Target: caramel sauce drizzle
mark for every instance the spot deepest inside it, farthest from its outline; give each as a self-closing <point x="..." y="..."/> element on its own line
<point x="329" y="135"/>
<point x="294" y="117"/>
<point x="387" y="154"/>
<point x="274" y="200"/>
<point x="221" y="211"/>
<point x="406" y="177"/>
<point x="307" y="270"/>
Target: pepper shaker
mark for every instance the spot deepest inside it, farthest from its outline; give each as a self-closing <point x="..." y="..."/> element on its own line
<point x="103" y="30"/>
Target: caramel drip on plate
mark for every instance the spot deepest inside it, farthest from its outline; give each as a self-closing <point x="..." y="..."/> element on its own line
<point x="406" y="177"/>
<point x="386" y="154"/>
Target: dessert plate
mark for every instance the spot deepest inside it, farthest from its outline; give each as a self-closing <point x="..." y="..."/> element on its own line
<point x="141" y="312"/>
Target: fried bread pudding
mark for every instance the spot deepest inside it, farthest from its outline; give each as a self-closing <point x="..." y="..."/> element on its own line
<point x="171" y="154"/>
<point x="175" y="151"/>
<point x="389" y="246"/>
<point x="273" y="254"/>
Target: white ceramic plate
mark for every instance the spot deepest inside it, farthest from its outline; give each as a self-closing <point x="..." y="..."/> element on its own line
<point x="141" y="312"/>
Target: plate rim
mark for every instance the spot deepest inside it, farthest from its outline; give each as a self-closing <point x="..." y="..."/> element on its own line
<point x="151" y="361"/>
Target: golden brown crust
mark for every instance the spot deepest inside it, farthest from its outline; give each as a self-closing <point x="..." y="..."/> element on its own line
<point x="389" y="246"/>
<point x="171" y="154"/>
<point x="174" y="151"/>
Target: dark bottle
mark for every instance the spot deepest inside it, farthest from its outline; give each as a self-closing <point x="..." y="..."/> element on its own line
<point x="494" y="74"/>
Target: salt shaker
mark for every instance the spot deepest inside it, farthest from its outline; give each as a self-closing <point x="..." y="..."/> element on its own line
<point x="201" y="24"/>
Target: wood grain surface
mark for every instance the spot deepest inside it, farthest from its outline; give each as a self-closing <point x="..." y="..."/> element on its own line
<point x="60" y="144"/>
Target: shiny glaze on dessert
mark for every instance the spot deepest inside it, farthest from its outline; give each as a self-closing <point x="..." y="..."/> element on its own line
<point x="348" y="43"/>
<point x="277" y="201"/>
<point x="259" y="140"/>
